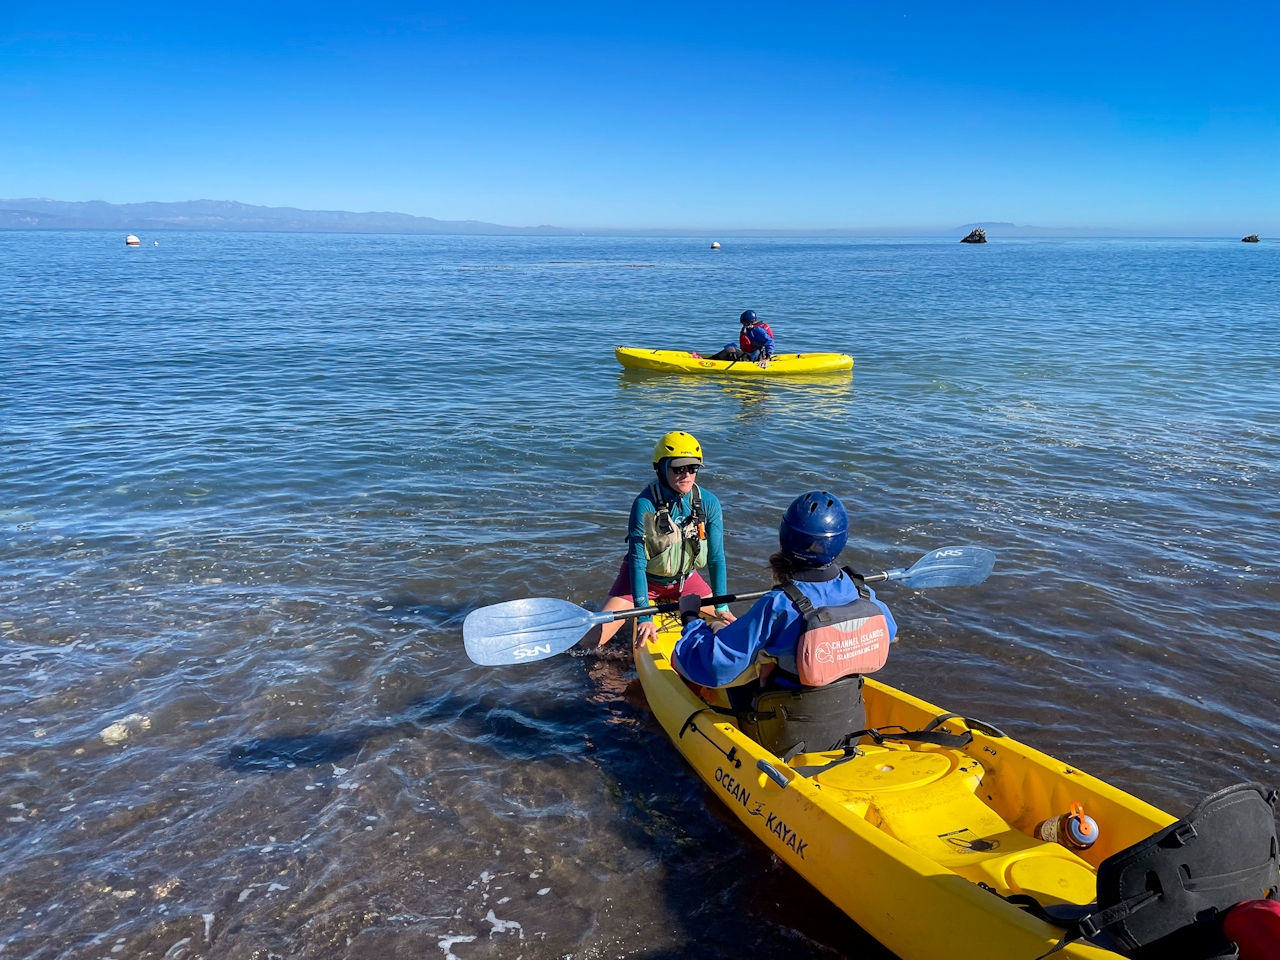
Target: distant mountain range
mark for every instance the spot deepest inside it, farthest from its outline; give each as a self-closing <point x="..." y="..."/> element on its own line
<point x="33" y="214"/>
<point x="40" y="214"/>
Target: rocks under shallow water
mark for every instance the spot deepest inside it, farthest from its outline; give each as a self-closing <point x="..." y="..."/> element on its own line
<point x="1251" y="238"/>
<point x="121" y="730"/>
<point x="976" y="235"/>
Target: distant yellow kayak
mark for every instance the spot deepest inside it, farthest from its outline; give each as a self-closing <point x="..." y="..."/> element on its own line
<point x="782" y="364"/>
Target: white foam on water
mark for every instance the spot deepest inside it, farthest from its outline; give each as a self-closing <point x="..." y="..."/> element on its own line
<point x="503" y="926"/>
<point x="446" y="944"/>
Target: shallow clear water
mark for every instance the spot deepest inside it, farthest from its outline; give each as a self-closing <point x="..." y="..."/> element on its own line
<point x="251" y="484"/>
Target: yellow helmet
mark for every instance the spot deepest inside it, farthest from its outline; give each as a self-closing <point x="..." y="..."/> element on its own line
<point x="681" y="447"/>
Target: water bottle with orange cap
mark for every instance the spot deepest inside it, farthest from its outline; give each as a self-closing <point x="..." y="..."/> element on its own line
<point x="1074" y="829"/>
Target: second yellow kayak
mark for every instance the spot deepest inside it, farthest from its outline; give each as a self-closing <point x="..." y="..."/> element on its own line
<point x="782" y="364"/>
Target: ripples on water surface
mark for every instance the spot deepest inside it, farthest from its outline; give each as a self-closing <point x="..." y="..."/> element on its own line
<point x="252" y="484"/>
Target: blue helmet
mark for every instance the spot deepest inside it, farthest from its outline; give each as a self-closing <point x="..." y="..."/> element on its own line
<point x="814" y="529"/>
<point x="748" y="316"/>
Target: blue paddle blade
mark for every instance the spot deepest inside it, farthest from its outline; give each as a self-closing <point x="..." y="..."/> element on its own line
<point x="948" y="567"/>
<point x="521" y="631"/>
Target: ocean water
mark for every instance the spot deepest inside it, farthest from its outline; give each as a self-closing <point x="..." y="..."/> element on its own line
<point x="251" y="484"/>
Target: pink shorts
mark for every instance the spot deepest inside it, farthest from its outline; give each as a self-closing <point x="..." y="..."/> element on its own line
<point x="662" y="594"/>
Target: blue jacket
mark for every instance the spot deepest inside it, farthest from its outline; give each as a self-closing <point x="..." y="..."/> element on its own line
<point x="772" y="626"/>
<point x="755" y="341"/>
<point x="681" y="507"/>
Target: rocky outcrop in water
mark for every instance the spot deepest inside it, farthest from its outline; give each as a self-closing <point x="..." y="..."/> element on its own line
<point x="976" y="235"/>
<point x="1251" y="238"/>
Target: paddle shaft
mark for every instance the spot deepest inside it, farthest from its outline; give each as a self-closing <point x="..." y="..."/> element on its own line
<point x="711" y="601"/>
<point x="675" y="605"/>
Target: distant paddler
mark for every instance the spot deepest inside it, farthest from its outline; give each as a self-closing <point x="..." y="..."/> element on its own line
<point x="132" y="241"/>
<point x="675" y="529"/>
<point x="755" y="342"/>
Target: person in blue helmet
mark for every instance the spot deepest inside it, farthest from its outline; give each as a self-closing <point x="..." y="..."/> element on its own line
<point x="755" y="341"/>
<point x="793" y="664"/>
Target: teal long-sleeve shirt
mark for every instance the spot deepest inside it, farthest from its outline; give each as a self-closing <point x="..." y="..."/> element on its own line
<point x="681" y="507"/>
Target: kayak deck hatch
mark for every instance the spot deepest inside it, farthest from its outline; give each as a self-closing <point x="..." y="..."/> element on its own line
<point x="928" y="800"/>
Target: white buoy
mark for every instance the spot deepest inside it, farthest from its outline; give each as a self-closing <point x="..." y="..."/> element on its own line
<point x="132" y="241"/>
<point x="155" y="243"/>
<point x="715" y="244"/>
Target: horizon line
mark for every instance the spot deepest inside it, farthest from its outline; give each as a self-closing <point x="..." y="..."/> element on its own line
<point x="236" y="216"/>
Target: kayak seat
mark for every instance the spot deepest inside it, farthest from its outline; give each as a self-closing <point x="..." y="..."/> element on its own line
<point x="925" y="798"/>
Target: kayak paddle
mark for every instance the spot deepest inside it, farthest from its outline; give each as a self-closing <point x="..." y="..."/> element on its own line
<point x="945" y="567"/>
<point x="521" y="631"/>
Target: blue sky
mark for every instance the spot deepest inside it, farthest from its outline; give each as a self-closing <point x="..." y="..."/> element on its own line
<point x="1155" y="117"/>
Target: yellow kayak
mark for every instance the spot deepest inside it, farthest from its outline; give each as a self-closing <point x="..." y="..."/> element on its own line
<point x="904" y="837"/>
<point x="782" y="364"/>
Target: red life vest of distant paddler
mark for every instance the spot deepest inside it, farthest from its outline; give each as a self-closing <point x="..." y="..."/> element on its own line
<point x="744" y="338"/>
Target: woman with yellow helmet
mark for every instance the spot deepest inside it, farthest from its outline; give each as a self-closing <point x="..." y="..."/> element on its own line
<point x="676" y="528"/>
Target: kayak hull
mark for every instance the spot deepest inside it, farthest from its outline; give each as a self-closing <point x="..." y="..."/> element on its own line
<point x="782" y="364"/>
<point x="901" y="837"/>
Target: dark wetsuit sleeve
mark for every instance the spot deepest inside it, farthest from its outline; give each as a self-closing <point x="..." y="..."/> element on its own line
<point x="637" y="561"/>
<point x="716" y="565"/>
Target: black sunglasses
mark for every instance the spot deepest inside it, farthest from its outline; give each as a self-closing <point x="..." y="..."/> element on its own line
<point x="686" y="468"/>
